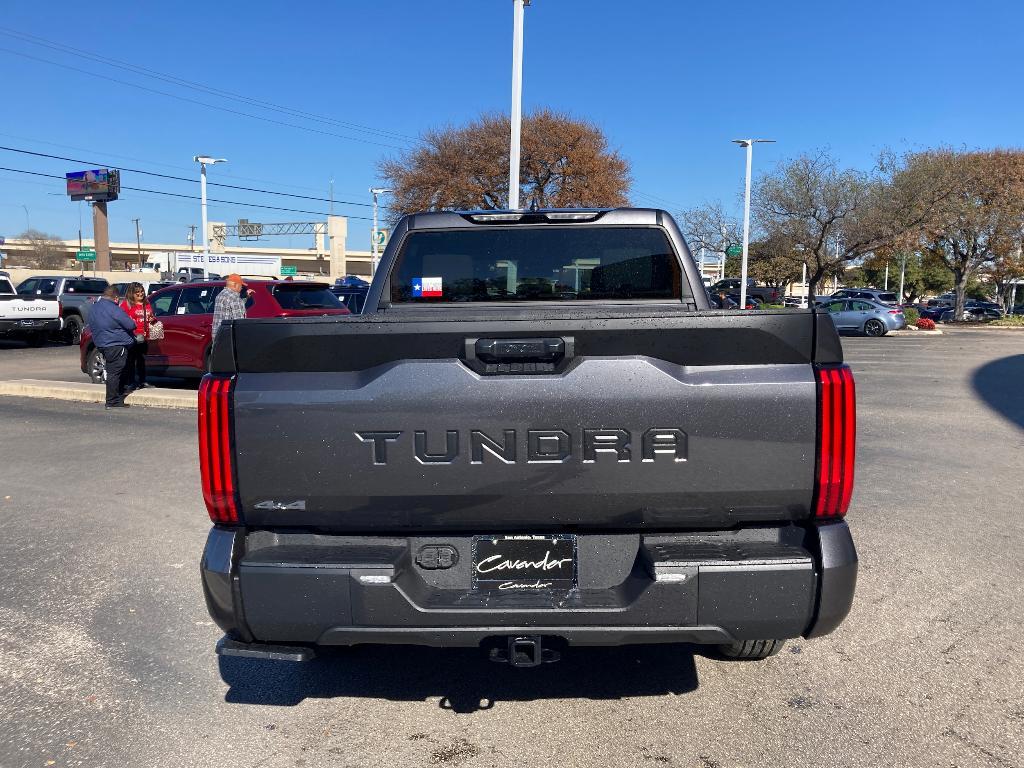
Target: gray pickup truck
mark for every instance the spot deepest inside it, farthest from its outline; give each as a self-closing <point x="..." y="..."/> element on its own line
<point x="537" y="435"/>
<point x="76" y="296"/>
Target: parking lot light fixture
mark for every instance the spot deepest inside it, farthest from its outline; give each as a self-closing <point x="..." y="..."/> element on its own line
<point x="749" y="144"/>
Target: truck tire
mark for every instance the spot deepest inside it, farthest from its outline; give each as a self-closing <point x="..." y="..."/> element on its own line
<point x="751" y="649"/>
<point x="73" y="330"/>
<point x="97" y="367"/>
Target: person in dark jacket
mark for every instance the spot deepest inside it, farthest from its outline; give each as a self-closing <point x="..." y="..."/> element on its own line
<point x="113" y="333"/>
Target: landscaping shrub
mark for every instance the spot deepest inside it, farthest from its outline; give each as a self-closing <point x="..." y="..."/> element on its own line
<point x="925" y="324"/>
<point x="912" y="315"/>
<point x="1011" y="321"/>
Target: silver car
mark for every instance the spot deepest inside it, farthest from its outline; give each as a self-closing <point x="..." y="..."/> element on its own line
<point x="868" y="317"/>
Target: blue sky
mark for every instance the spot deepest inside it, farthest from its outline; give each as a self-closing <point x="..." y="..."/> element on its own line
<point x="669" y="82"/>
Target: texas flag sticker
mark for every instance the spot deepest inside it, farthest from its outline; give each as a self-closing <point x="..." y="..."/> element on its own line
<point x="426" y="286"/>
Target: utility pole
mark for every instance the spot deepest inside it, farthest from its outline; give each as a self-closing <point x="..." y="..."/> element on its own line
<point x="191" y="237"/>
<point x="332" y="198"/>
<point x="138" y="242"/>
<point x="518" y="7"/>
<point x="885" y="287"/>
<point x="749" y="144"/>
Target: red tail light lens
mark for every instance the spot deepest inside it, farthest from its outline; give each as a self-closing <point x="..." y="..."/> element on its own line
<point x="216" y="459"/>
<point x="837" y="440"/>
<point x="895" y="311"/>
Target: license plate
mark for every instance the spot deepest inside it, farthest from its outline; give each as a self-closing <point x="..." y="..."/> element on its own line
<point x="519" y="563"/>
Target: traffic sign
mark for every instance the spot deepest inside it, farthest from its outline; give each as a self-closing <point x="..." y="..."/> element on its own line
<point x="734" y="250"/>
<point x="382" y="237"/>
<point x="86" y="254"/>
<point x="289" y="271"/>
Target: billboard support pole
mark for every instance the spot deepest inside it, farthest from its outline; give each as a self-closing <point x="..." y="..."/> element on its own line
<point x="101" y="235"/>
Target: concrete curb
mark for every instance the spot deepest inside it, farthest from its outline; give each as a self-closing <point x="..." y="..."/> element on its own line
<point x="915" y="332"/>
<point x="76" y="391"/>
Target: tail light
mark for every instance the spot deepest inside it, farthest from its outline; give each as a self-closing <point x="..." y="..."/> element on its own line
<point x="216" y="458"/>
<point x="895" y="311"/>
<point x="60" y="308"/>
<point x="837" y="438"/>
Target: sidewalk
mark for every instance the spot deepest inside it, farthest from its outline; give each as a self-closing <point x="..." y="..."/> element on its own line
<point x="94" y="393"/>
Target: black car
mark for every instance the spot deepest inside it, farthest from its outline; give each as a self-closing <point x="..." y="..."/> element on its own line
<point x="353" y="297"/>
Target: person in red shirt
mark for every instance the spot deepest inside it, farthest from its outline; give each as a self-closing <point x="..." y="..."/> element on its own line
<point x="141" y="313"/>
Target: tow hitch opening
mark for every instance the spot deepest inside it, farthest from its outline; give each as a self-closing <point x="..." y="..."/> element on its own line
<point x="524" y="651"/>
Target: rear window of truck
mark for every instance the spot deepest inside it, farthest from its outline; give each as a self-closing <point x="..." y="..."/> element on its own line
<point x="536" y="264"/>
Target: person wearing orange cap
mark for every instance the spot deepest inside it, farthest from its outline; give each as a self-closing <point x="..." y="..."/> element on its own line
<point x="230" y="303"/>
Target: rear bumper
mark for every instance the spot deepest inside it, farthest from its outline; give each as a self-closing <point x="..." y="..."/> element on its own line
<point x="757" y="583"/>
<point x="17" y="327"/>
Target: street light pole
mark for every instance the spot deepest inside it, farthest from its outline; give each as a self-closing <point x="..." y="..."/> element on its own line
<point x="28" y="221"/>
<point x="903" y="272"/>
<point x="749" y="144"/>
<point x="375" y="257"/>
<point x="517" y="102"/>
<point x="138" y="242"/>
<point x="205" y="160"/>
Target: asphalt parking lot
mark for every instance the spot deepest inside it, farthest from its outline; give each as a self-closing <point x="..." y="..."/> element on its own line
<point x="106" y="650"/>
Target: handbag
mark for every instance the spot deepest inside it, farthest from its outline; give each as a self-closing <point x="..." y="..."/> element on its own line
<point x="156" y="331"/>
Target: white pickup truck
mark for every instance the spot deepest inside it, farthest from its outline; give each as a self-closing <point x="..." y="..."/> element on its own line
<point x="30" y="319"/>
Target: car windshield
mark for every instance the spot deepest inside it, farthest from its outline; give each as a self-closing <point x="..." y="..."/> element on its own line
<point x="536" y="264"/>
<point x="306" y="297"/>
<point x="888" y="298"/>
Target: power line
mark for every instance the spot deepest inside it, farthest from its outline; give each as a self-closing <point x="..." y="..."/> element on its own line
<point x="181" y="82"/>
<point x="190" y="197"/>
<point x="182" y="178"/>
<point x="195" y="101"/>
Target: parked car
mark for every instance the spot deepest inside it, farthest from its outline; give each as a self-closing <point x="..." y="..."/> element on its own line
<point x="76" y="296"/>
<point x="27" y="318"/>
<point x="871" y="294"/>
<point x="720" y="301"/>
<point x="868" y="317"/>
<point x="186" y="311"/>
<point x="766" y="294"/>
<point x="973" y="313"/>
<point x="352" y="296"/>
<point x="753" y="302"/>
<point x="150" y="286"/>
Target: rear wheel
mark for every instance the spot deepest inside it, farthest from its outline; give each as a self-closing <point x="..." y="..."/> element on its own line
<point x="875" y="328"/>
<point x="73" y="330"/>
<point x="97" y="367"/>
<point x="751" y="649"/>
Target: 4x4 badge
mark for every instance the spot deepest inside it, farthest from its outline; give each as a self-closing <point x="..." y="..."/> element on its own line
<point x="281" y="505"/>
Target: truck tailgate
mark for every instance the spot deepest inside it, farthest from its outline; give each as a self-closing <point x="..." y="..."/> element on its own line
<point x="653" y="422"/>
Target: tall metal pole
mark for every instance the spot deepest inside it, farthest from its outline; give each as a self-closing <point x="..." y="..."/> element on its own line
<point x="138" y="242"/>
<point x="746" y="227"/>
<point x="517" y="102"/>
<point x="885" y="287"/>
<point x="28" y="221"/>
<point x="373" y="237"/>
<point x="803" y="279"/>
<point x="903" y="272"/>
<point x="202" y="195"/>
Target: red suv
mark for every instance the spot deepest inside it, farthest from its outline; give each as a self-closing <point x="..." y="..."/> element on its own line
<point x="186" y="310"/>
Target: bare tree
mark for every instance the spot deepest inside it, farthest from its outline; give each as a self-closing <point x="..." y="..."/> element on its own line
<point x="565" y="163"/>
<point x="48" y="251"/>
<point x="982" y="220"/>
<point x="834" y="216"/>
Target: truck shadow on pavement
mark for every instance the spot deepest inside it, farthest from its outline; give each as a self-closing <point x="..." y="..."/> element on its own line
<point x="1001" y="385"/>
<point x="464" y="679"/>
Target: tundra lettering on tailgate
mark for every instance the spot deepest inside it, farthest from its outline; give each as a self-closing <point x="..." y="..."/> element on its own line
<point x="535" y="446"/>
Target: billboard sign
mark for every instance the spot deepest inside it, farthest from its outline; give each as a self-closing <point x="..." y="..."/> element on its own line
<point x="98" y="185"/>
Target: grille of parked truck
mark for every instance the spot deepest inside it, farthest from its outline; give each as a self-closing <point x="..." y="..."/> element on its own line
<point x="536" y="435"/>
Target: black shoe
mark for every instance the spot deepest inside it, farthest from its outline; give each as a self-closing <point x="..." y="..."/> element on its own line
<point x="121" y="404"/>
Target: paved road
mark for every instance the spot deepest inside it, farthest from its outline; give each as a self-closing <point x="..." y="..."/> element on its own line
<point x="106" y="650"/>
<point x="55" y="362"/>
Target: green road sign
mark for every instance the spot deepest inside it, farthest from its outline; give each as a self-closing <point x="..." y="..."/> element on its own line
<point x="734" y="250"/>
<point x="289" y="271"/>
<point x="382" y="238"/>
<point x="86" y="254"/>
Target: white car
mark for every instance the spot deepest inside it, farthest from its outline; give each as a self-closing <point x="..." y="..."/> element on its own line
<point x="28" y="318"/>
